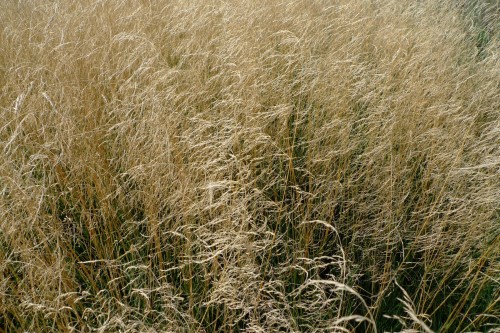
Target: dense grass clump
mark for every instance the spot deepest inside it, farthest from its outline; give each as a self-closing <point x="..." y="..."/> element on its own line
<point x="249" y="166"/>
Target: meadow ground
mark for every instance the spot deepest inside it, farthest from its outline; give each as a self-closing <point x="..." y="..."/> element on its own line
<point x="249" y="166"/>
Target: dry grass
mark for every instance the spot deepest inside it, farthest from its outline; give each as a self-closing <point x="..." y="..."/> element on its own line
<point x="249" y="166"/>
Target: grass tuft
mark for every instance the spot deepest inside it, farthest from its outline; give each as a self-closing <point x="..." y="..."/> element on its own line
<point x="249" y="166"/>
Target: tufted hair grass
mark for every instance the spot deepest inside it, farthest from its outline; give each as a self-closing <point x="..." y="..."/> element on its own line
<point x="249" y="166"/>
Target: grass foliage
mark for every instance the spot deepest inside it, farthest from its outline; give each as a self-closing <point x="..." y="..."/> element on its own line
<point x="249" y="166"/>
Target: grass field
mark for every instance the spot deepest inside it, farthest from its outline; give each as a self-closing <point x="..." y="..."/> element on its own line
<point x="249" y="166"/>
